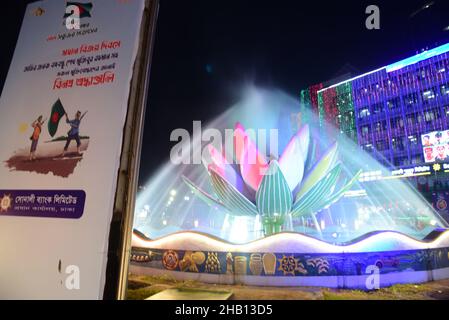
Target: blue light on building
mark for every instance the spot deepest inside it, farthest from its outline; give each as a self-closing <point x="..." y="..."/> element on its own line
<point x="387" y="110"/>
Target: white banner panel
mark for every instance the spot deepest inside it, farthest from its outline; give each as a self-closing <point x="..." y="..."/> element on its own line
<point x="63" y="110"/>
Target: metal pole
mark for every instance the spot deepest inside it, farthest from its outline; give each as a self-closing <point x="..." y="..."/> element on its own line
<point x="120" y="234"/>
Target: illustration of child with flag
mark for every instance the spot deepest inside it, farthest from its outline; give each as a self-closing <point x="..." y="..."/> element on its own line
<point x="37" y="129"/>
<point x="54" y="156"/>
<point x="73" y="134"/>
<point x="57" y="113"/>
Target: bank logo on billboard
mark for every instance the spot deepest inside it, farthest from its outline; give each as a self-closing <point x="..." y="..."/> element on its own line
<point x="74" y="12"/>
<point x="38" y="12"/>
<point x="61" y="204"/>
<point x="435" y="146"/>
<point x="5" y="203"/>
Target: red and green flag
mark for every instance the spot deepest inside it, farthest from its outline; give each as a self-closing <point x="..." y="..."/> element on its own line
<point x="57" y="112"/>
<point x="84" y="9"/>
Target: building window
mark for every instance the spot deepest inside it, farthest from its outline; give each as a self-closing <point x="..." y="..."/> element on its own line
<point x="364" y="113"/>
<point x="431" y="115"/>
<point x="380" y="126"/>
<point x="428" y="95"/>
<point x="416" y="160"/>
<point x="444" y="89"/>
<point x="398" y="143"/>
<point x="401" y="161"/>
<point x="378" y="108"/>
<point x="413" y="140"/>
<point x="394" y="103"/>
<point x="365" y="131"/>
<point x="419" y="118"/>
<point x="368" y="147"/>
<point x="411" y="99"/>
<point x="397" y="123"/>
<point x="411" y="120"/>
<point x="442" y="66"/>
<point x="446" y="111"/>
<point x="381" y="145"/>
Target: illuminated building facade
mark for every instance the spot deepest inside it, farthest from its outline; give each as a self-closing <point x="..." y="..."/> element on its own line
<point x="310" y="96"/>
<point x="387" y="110"/>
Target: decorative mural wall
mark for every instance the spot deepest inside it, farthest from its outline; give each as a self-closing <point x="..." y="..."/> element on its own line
<point x="286" y="264"/>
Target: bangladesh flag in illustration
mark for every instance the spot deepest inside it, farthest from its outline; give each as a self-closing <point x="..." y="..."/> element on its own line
<point x="83" y="7"/>
<point x="57" y="112"/>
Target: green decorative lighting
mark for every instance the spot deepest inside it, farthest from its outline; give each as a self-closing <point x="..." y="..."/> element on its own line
<point x="336" y="105"/>
<point x="345" y="106"/>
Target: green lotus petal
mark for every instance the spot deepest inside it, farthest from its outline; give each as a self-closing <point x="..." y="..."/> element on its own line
<point x="274" y="195"/>
<point x="315" y="195"/>
<point x="337" y="195"/>
<point x="208" y="199"/>
<point x="320" y="169"/>
<point x="233" y="200"/>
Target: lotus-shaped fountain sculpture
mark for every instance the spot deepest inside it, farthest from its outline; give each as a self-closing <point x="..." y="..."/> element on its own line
<point x="292" y="185"/>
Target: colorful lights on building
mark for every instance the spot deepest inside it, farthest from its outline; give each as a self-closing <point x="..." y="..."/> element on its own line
<point x="387" y="110"/>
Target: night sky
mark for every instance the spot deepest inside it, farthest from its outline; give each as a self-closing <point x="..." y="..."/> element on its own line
<point x="206" y="49"/>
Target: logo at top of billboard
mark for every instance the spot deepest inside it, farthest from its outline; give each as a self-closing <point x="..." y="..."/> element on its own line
<point x="74" y="12"/>
<point x="436" y="146"/>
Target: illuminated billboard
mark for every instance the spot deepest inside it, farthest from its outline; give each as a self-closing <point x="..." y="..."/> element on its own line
<point x="435" y="146"/>
<point x="63" y="107"/>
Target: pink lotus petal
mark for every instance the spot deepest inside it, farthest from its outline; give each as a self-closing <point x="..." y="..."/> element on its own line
<point x="228" y="173"/>
<point x="239" y="138"/>
<point x="253" y="164"/>
<point x="216" y="156"/>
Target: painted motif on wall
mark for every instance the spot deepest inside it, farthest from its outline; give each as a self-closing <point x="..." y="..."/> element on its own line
<point x="229" y="262"/>
<point x="269" y="263"/>
<point x="256" y="264"/>
<point x="191" y="261"/>
<point x="170" y="260"/>
<point x="212" y="263"/>
<point x="240" y="265"/>
<point x="289" y="265"/>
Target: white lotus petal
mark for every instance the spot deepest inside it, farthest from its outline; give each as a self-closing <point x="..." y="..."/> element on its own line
<point x="291" y="162"/>
<point x="304" y="140"/>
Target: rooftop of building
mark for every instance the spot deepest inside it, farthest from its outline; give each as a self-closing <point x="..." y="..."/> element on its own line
<point x="424" y="55"/>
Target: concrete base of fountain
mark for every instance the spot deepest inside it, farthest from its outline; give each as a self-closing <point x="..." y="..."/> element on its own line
<point x="290" y="259"/>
